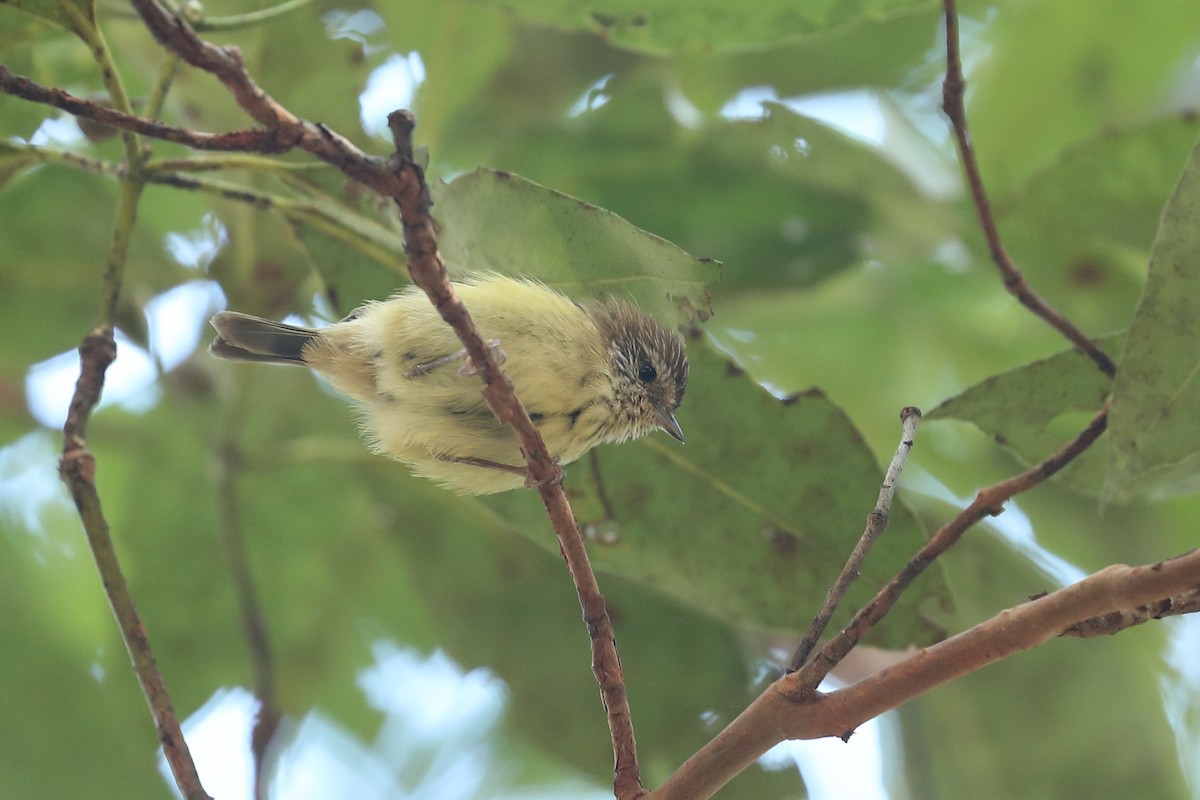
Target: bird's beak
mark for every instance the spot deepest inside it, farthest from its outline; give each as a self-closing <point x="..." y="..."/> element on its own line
<point x="666" y="421"/>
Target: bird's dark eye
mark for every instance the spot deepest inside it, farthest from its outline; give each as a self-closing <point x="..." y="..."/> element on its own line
<point x="647" y="373"/>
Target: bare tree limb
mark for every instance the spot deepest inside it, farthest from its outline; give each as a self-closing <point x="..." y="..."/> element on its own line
<point x="238" y="140"/>
<point x="953" y="90"/>
<point x="786" y="711"/>
<point x="988" y="502"/>
<point x="429" y="272"/>
<point x="77" y="465"/>
<point x="1117" y="621"/>
<point x="254" y="141"/>
<point x="78" y="470"/>
<point x="768" y="720"/>
<point x="225" y="63"/>
<point x="254" y="621"/>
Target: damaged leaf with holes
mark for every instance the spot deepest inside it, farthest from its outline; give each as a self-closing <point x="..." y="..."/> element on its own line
<point x="754" y="517"/>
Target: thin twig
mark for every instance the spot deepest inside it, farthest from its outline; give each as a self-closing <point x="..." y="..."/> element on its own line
<point x="988" y="502"/>
<point x="78" y="470"/>
<point x="877" y="522"/>
<point x="610" y="514"/>
<point x="254" y="622"/>
<point x="252" y="141"/>
<point x="953" y="90"/>
<point x="249" y="18"/>
<point x="78" y="465"/>
<point x="225" y="63"/>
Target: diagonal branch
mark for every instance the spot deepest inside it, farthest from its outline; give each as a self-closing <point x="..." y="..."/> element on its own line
<point x="1117" y="621"/>
<point x="989" y="502"/>
<point x="1014" y="281"/>
<point x="78" y="470"/>
<point x="792" y="707"/>
<point x="225" y="63"/>
<point x="254" y="622"/>
<point x="877" y="520"/>
<point x="255" y="141"/>
<point x="784" y="711"/>
<point x="429" y="272"/>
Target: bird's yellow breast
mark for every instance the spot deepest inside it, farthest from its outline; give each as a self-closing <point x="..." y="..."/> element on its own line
<point x="420" y="408"/>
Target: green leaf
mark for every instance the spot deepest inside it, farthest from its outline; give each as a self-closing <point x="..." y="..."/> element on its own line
<point x="69" y="14"/>
<point x="780" y="200"/>
<point x="1156" y="400"/>
<point x="1091" y="263"/>
<point x="346" y="239"/>
<point x="664" y="25"/>
<point x="14" y="161"/>
<point x="498" y="221"/>
<point x="1035" y="409"/>
<point x="461" y="45"/>
<point x="752" y="519"/>
<point x="1104" y="58"/>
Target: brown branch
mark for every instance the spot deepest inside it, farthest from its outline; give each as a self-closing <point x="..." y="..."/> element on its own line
<point x="78" y="470"/>
<point x="254" y="623"/>
<point x="606" y="506"/>
<point x="429" y="272"/>
<point x="786" y="711"/>
<point x="877" y="521"/>
<point x="225" y="63"/>
<point x="953" y="90"/>
<point x="988" y="502"/>
<point x="1117" y="621"/>
<point x="403" y="180"/>
<point x="255" y="141"/>
<point x="77" y="467"/>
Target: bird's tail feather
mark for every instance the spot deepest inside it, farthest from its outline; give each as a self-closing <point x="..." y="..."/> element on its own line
<point x="241" y="337"/>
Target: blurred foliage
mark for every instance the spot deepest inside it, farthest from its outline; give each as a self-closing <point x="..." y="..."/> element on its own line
<point x="793" y="159"/>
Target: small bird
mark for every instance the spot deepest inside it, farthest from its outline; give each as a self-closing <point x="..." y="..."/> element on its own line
<point x="588" y="373"/>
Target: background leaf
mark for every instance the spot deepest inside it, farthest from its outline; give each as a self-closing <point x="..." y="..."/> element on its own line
<point x="800" y="146"/>
<point x="53" y="11"/>
<point x="675" y="25"/>
<point x="502" y="222"/>
<point x="749" y="525"/>
<point x="1156" y="400"/>
<point x="1035" y="409"/>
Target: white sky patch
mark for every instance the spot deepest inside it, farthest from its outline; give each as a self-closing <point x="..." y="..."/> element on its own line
<point x="594" y="97"/>
<point x="856" y="114"/>
<point x="129" y="382"/>
<point x="436" y="741"/>
<point x="176" y="325"/>
<point x="433" y="695"/>
<point x="358" y="26"/>
<point x="1179" y="687"/>
<point x="197" y="249"/>
<point x="747" y="103"/>
<point x="218" y="735"/>
<point x="682" y="110"/>
<point x="29" y="484"/>
<point x="176" y="319"/>
<point x="837" y="770"/>
<point x="391" y="85"/>
<point x="881" y="121"/>
<point x="63" y="131"/>
<point x="1013" y="526"/>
